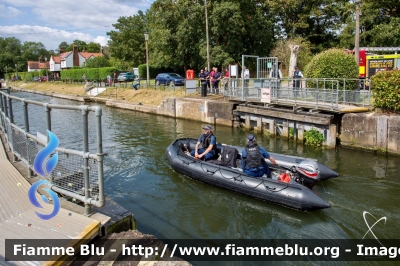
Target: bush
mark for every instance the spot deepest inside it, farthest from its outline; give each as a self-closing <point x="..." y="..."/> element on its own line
<point x="153" y="71"/>
<point x="91" y="73"/>
<point x="386" y="90"/>
<point x="313" y="138"/>
<point x="333" y="64"/>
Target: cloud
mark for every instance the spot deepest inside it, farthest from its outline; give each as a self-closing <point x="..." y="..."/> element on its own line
<point x="9" y="12"/>
<point x="51" y="38"/>
<point x="51" y="23"/>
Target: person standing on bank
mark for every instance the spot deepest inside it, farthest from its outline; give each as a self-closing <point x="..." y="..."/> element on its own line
<point x="297" y="75"/>
<point x="208" y="144"/>
<point x="253" y="163"/>
<point x="276" y="76"/>
<point x="246" y="76"/>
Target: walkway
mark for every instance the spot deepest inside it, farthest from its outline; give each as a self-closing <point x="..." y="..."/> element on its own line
<point x="19" y="221"/>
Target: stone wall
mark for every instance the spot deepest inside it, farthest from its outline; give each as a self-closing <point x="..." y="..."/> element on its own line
<point x="371" y="131"/>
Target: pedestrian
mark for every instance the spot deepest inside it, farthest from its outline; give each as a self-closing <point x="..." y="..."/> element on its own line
<point x="297" y="75"/>
<point x="253" y="163"/>
<point x="212" y="77"/>
<point x="136" y="83"/>
<point x="216" y="78"/>
<point x="84" y="77"/>
<point x="206" y="145"/>
<point x="276" y="75"/>
<point x="226" y="78"/>
<point x="246" y="76"/>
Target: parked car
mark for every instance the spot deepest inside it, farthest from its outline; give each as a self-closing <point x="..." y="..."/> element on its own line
<point x="126" y="76"/>
<point x="43" y="79"/>
<point x="170" y="79"/>
<point x="35" y="79"/>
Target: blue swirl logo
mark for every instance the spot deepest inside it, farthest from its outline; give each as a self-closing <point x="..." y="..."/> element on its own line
<point x="44" y="171"/>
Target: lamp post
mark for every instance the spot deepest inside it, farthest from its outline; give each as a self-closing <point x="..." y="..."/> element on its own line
<point x="16" y="72"/>
<point x="208" y="47"/>
<point x="6" y="74"/>
<point x="357" y="41"/>
<point x="47" y="75"/>
<point x="146" y="38"/>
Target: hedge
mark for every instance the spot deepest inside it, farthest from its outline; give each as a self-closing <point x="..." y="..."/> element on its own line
<point x="386" y="90"/>
<point x="153" y="71"/>
<point x="91" y="73"/>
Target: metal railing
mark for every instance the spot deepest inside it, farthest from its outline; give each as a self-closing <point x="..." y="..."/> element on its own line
<point x="78" y="174"/>
<point x="317" y="92"/>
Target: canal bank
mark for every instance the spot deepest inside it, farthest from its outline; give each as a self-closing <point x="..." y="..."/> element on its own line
<point x="352" y="128"/>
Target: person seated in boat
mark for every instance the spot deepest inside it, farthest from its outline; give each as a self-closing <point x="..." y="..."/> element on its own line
<point x="253" y="163"/>
<point x="206" y="145"/>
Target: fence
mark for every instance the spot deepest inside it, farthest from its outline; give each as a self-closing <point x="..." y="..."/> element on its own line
<point x="317" y="92"/>
<point x="78" y="174"/>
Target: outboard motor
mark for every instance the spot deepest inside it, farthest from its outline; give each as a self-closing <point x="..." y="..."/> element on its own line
<point x="308" y="170"/>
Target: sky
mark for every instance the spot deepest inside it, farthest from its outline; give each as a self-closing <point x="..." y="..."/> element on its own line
<point x="54" y="21"/>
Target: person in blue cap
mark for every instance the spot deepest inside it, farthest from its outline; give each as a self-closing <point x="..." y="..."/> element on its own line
<point x="253" y="163"/>
<point x="206" y="145"/>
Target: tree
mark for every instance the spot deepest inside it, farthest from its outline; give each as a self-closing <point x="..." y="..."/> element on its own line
<point x="93" y="47"/>
<point x="10" y="55"/>
<point x="318" y="21"/>
<point x="32" y="51"/>
<point x="97" y="62"/>
<point x="80" y="44"/>
<point x="63" y="47"/>
<point x="379" y="22"/>
<point x="127" y="41"/>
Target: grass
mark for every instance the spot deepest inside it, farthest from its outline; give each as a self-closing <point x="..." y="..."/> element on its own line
<point x="145" y="96"/>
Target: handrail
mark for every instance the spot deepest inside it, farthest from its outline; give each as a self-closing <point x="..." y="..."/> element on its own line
<point x="69" y="175"/>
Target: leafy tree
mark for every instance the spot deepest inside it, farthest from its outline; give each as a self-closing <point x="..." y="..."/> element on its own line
<point x="10" y="55"/>
<point x="63" y="47"/>
<point x="318" y="21"/>
<point x="127" y="41"/>
<point x="93" y="47"/>
<point x="32" y="51"/>
<point x="97" y="62"/>
<point x="80" y="44"/>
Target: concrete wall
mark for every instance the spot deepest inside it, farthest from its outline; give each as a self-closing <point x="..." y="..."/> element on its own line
<point x="371" y="131"/>
<point x="197" y="109"/>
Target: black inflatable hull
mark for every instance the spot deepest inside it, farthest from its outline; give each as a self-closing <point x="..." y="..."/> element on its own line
<point x="291" y="195"/>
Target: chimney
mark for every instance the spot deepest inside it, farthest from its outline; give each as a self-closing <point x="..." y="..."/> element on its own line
<point x="75" y="56"/>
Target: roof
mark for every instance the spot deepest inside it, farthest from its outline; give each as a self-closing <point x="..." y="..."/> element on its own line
<point x="64" y="55"/>
<point x="87" y="55"/>
<point x="38" y="65"/>
<point x="57" y="59"/>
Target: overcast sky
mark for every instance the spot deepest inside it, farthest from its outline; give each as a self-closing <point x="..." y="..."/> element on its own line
<point x="54" y="21"/>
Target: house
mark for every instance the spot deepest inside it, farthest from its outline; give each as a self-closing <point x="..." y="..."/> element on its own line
<point x="71" y="59"/>
<point x="37" y="66"/>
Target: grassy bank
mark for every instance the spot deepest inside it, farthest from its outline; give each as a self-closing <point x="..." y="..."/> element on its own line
<point x="145" y="96"/>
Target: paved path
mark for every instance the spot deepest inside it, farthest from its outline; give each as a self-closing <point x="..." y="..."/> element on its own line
<point x="19" y="221"/>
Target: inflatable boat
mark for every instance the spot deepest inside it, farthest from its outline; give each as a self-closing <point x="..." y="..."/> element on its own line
<point x="293" y="192"/>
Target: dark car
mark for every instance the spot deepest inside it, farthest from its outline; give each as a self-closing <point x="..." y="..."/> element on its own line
<point x="126" y="76"/>
<point x="35" y="78"/>
<point x="170" y="79"/>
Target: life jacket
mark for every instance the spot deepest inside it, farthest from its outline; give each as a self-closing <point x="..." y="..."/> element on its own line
<point x="254" y="159"/>
<point x="296" y="74"/>
<point x="284" y="177"/>
<point x="206" y="141"/>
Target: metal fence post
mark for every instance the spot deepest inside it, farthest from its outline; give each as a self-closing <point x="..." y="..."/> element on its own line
<point x="85" y="131"/>
<point x="100" y="155"/>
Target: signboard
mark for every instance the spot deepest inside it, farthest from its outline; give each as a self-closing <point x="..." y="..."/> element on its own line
<point x="233" y="70"/>
<point x="266" y="95"/>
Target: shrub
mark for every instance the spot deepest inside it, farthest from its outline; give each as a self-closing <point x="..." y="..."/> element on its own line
<point x="386" y="90"/>
<point x="333" y="64"/>
<point x="153" y="71"/>
<point x="91" y="73"/>
<point x="313" y="138"/>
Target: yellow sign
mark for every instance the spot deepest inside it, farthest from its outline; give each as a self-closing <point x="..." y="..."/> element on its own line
<point x="381" y="63"/>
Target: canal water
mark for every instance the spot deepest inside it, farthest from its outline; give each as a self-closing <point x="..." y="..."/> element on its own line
<point x="172" y="206"/>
